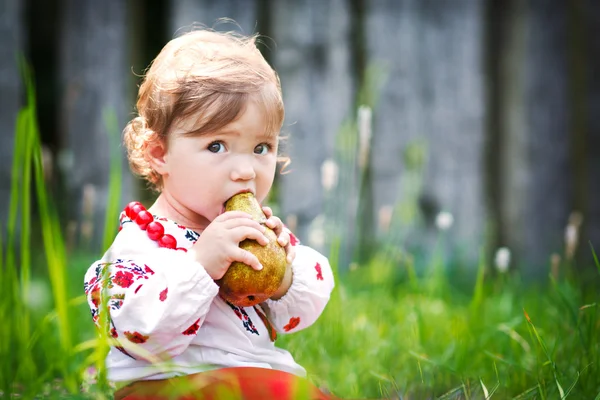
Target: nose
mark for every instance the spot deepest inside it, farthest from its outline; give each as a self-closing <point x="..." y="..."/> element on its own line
<point x="243" y="170"/>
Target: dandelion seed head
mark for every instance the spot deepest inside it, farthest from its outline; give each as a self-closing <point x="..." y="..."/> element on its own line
<point x="444" y="220"/>
<point x="329" y="174"/>
<point x="502" y="259"/>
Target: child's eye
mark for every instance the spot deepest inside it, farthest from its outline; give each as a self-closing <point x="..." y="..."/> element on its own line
<point x="216" y="147"/>
<point x="262" y="149"/>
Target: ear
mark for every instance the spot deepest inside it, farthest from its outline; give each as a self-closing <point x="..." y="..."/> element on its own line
<point x="156" y="153"/>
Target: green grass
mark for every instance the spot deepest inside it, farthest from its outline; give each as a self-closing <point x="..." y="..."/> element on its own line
<point x="394" y="326"/>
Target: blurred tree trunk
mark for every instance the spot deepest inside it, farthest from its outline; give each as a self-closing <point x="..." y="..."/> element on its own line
<point x="313" y="56"/>
<point x="429" y="133"/>
<point x="94" y="72"/>
<point x="535" y="138"/>
<point x="585" y="26"/>
<point x="11" y="47"/>
<point x="206" y="12"/>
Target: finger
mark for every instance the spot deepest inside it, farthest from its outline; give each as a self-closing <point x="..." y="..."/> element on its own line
<point x="237" y="222"/>
<point x="291" y="254"/>
<point x="283" y="239"/>
<point x="227" y="215"/>
<point x="268" y="211"/>
<point x="275" y="224"/>
<point x="242" y="233"/>
<point x="247" y="258"/>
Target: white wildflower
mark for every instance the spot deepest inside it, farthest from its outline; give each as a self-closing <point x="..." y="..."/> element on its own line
<point x="571" y="239"/>
<point x="316" y="234"/>
<point x="572" y="234"/>
<point x="502" y="259"/>
<point x="385" y="214"/>
<point x="89" y="200"/>
<point x="444" y="220"/>
<point x="329" y="174"/>
<point x="365" y="115"/>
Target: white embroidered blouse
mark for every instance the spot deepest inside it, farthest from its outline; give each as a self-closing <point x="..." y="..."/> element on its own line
<point x="168" y="319"/>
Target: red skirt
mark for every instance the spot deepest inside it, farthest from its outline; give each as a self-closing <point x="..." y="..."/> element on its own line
<point x="227" y="383"/>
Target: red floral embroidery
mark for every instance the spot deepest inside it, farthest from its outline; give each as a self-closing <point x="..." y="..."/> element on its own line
<point x="163" y="294"/>
<point x="96" y="295"/>
<point x="192" y="329"/>
<point x="148" y="270"/>
<point x="123" y="279"/>
<point x="319" y="272"/>
<point x="90" y="283"/>
<point x="113" y="332"/>
<point x="293" y="239"/>
<point x="294" y="321"/>
<point x="136" y="337"/>
<point x="137" y="288"/>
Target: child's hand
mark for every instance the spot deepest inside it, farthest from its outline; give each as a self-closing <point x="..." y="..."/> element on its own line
<point x="218" y="246"/>
<point x="283" y="238"/>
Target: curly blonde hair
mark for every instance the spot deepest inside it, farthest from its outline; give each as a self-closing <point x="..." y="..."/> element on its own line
<point x="205" y="74"/>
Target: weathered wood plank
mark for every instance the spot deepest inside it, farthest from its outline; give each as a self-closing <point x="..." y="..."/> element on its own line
<point x="11" y="47"/>
<point x="184" y="13"/>
<point x="94" y="75"/>
<point x="313" y="58"/>
<point x="433" y="97"/>
<point x="535" y="144"/>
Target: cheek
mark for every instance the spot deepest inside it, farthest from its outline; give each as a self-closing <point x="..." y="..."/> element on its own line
<point x="267" y="176"/>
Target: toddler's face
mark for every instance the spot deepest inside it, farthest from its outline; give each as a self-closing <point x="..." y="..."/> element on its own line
<point x="201" y="173"/>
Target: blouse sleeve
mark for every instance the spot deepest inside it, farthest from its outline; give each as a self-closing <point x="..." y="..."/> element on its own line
<point x="305" y="300"/>
<point x="156" y="302"/>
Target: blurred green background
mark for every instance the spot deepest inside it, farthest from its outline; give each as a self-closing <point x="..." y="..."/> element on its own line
<point x="444" y="155"/>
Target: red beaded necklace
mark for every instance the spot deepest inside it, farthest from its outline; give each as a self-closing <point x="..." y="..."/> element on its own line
<point x="155" y="230"/>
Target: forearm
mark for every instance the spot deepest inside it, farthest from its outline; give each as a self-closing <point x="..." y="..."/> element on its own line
<point x="285" y="284"/>
<point x="154" y="303"/>
<point x="306" y="297"/>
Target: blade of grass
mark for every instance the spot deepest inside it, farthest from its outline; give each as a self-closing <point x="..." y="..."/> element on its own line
<point x="595" y="257"/>
<point x="478" y="291"/>
<point x="26" y="366"/>
<point x="486" y="393"/>
<point x="570" y="388"/>
<point x="12" y="305"/>
<point x="528" y="393"/>
<point x="571" y="311"/>
<point x="51" y="235"/>
<point x="545" y="350"/>
<point x="453" y="391"/>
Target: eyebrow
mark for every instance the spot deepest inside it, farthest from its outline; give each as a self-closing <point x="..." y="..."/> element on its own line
<point x="235" y="132"/>
<point x="229" y="132"/>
